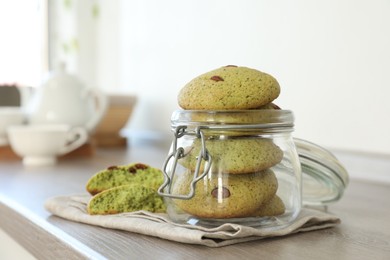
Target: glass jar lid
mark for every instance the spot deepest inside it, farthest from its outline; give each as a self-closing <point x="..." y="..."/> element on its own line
<point x="324" y="179"/>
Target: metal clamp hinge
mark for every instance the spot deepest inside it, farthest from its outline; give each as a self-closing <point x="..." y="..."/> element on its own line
<point x="178" y="153"/>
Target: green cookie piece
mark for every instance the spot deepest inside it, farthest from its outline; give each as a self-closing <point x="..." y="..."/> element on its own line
<point x="136" y="173"/>
<point x="127" y="198"/>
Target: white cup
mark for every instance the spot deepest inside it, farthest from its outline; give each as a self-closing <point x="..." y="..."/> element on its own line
<point x="42" y="144"/>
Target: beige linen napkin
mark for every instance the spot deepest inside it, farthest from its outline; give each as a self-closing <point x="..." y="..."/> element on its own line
<point x="73" y="207"/>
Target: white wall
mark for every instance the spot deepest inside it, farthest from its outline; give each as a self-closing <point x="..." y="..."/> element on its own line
<point x="332" y="59"/>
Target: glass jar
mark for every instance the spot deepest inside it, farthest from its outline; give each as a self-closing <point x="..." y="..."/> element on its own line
<point x="239" y="167"/>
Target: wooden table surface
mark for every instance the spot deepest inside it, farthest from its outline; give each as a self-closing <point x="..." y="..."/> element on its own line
<point x="363" y="234"/>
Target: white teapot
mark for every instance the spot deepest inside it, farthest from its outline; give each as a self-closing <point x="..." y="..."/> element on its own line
<point x="63" y="99"/>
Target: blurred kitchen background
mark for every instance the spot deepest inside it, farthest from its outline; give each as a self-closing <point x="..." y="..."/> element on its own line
<point x="331" y="58"/>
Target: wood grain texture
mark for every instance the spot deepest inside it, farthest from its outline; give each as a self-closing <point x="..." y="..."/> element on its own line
<point x="363" y="234"/>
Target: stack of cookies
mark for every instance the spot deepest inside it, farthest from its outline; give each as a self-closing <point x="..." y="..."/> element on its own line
<point x="240" y="182"/>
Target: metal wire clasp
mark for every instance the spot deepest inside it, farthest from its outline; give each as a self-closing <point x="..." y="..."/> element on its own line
<point x="178" y="153"/>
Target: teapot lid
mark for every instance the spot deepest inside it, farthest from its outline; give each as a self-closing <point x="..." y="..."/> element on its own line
<point x="60" y="76"/>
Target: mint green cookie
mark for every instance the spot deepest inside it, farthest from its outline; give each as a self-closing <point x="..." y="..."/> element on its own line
<point x="235" y="155"/>
<point x="273" y="207"/>
<point x="226" y="195"/>
<point x="229" y="88"/>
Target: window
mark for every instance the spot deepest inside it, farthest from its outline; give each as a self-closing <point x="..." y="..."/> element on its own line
<point x="23" y="44"/>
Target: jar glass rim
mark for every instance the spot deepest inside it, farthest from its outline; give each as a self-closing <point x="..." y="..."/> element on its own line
<point x="234" y="117"/>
